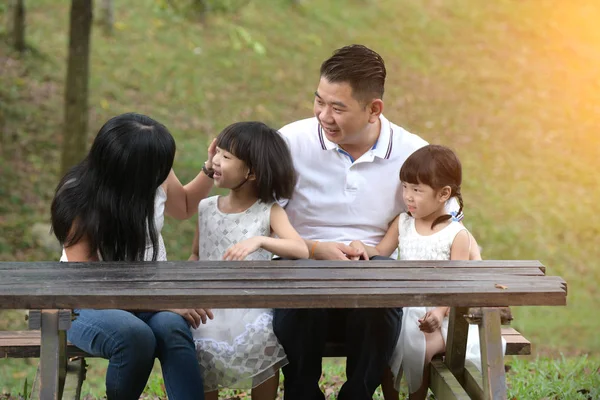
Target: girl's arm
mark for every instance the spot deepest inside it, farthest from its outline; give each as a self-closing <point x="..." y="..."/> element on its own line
<point x="182" y="201"/>
<point x="288" y="244"/>
<point x="386" y="247"/>
<point x="195" y="256"/>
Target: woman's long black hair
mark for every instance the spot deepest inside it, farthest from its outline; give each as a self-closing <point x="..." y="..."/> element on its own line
<point x="108" y="198"/>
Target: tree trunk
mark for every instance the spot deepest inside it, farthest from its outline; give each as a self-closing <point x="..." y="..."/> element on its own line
<point x="19" y="25"/>
<point x="107" y="18"/>
<point x="76" y="90"/>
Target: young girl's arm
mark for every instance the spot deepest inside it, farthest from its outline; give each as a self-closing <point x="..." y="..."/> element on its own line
<point x="386" y="247"/>
<point x="461" y="247"/>
<point x="288" y="244"/>
<point x="182" y="201"/>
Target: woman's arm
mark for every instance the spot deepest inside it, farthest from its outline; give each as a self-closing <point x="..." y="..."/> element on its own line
<point x="182" y="201"/>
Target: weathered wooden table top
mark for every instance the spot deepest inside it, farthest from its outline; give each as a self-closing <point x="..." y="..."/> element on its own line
<point x="277" y="284"/>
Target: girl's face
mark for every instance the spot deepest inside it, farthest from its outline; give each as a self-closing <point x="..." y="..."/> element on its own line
<point x="422" y="201"/>
<point x="230" y="171"/>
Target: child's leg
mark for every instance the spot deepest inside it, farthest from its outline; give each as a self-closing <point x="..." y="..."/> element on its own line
<point x="434" y="345"/>
<point x="214" y="395"/>
<point x="387" y="385"/>
<point x="267" y="390"/>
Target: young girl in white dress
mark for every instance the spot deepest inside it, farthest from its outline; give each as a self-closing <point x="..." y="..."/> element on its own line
<point x="237" y="348"/>
<point x="430" y="177"/>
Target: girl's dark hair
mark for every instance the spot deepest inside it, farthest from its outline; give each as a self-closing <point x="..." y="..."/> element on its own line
<point x="435" y="166"/>
<point x="108" y="198"/>
<point x="266" y="154"/>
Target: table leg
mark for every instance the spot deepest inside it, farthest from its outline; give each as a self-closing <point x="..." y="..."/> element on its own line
<point x="456" y="343"/>
<point x="492" y="359"/>
<point x="52" y="355"/>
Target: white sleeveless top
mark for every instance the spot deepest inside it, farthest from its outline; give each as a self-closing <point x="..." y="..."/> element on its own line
<point x="219" y="231"/>
<point x="414" y="246"/>
<point x="159" y="221"/>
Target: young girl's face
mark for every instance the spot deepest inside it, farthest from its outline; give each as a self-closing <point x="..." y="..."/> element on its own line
<point x="230" y="171"/>
<point x="422" y="200"/>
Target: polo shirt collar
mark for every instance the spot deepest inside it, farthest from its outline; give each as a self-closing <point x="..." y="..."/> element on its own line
<point x="382" y="147"/>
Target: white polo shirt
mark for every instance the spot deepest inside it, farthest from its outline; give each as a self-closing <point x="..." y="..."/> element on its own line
<point x="339" y="200"/>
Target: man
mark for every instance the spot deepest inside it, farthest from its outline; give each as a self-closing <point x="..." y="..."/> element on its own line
<point x="348" y="159"/>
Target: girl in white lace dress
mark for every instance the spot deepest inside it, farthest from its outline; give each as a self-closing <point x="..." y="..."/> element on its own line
<point x="237" y="348"/>
<point x="430" y="177"/>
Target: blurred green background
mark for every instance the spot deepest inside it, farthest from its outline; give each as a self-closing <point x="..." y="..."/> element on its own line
<point x="513" y="87"/>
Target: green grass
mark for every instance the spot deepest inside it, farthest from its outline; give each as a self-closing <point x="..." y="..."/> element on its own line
<point x="512" y="86"/>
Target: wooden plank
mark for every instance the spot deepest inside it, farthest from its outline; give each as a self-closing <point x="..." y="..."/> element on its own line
<point x="276" y="298"/>
<point x="50" y="357"/>
<point x="76" y="372"/>
<point x="444" y="384"/>
<point x="506" y="281"/>
<point x="456" y="342"/>
<point x="473" y="381"/>
<point x="54" y="265"/>
<point x="161" y="274"/>
<point x="492" y="360"/>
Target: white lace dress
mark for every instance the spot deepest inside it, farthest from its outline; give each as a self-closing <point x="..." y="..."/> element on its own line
<point x="237" y="349"/>
<point x="409" y="353"/>
<point x="159" y="221"/>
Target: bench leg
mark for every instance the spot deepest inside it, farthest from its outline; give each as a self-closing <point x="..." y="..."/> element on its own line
<point x="456" y="343"/>
<point x="53" y="359"/>
<point x="76" y="370"/>
<point x="492" y="360"/>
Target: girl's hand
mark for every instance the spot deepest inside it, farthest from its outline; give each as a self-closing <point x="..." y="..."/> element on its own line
<point x="431" y="321"/>
<point x="241" y="250"/>
<point x="358" y="245"/>
<point x="212" y="150"/>
<point x="194" y="316"/>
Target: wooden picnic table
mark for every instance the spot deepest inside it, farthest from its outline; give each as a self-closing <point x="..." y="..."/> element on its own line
<point x="52" y="286"/>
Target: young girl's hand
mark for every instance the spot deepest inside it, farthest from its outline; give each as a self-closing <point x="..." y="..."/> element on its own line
<point x="241" y="250"/>
<point x="432" y="320"/>
<point x="358" y="245"/>
<point x="194" y="316"/>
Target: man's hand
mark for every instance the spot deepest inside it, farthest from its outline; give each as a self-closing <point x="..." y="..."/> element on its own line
<point x="240" y="251"/>
<point x="194" y="316"/>
<point x="335" y="251"/>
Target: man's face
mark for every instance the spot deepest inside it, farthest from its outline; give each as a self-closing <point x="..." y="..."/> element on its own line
<point x="344" y="119"/>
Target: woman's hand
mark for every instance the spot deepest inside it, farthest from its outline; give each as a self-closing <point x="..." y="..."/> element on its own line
<point x="241" y="250"/>
<point x="194" y="316"/>
<point x="212" y="150"/>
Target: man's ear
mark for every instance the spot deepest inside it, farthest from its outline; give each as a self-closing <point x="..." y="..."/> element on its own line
<point x="375" y="109"/>
<point x="444" y="194"/>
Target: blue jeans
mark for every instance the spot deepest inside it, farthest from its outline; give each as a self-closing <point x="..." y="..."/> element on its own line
<point x="131" y="341"/>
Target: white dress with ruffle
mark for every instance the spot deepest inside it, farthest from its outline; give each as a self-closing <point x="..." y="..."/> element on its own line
<point x="409" y="353"/>
<point x="237" y="349"/>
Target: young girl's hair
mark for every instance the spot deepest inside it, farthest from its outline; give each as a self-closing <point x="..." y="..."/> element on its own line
<point x="435" y="166"/>
<point x="266" y="154"/>
<point x="108" y="198"/>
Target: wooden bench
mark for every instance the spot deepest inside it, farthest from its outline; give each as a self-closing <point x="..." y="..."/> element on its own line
<point x="53" y="286"/>
<point x="26" y="344"/>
